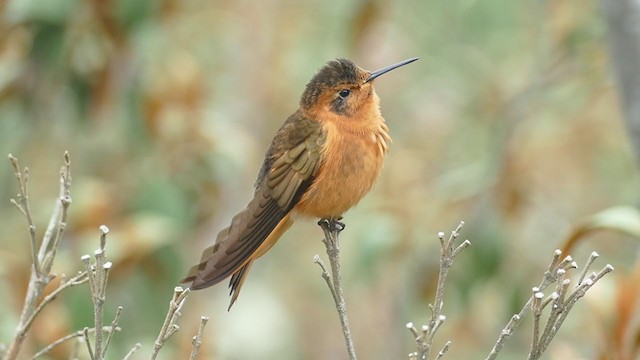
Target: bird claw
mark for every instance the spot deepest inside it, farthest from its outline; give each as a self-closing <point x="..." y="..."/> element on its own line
<point x="332" y="224"/>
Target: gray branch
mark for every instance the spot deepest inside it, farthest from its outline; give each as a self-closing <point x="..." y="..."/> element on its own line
<point x="424" y="338"/>
<point x="197" y="340"/>
<point x="331" y="229"/>
<point x="169" y="327"/>
<point x="75" y="335"/>
<point x="42" y="255"/>
<point x="561" y="299"/>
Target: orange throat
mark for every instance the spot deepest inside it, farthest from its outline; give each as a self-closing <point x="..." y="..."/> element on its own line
<point x="352" y="158"/>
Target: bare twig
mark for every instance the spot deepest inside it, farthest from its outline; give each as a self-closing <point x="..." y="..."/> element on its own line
<point x="100" y="274"/>
<point x="332" y="228"/>
<point x="79" y="279"/>
<point x="85" y="335"/>
<point x="135" y="348"/>
<point x="557" y="317"/>
<point x="536" y="306"/>
<point x="594" y="255"/>
<point x="424" y="339"/>
<point x="95" y="274"/>
<point x="197" y="340"/>
<point x="325" y="276"/>
<point x="76" y="335"/>
<point x="561" y="299"/>
<point x="169" y="327"/>
<point x="444" y="350"/>
<point x="23" y="206"/>
<point x="549" y="276"/>
<point x="42" y="257"/>
<point x="58" y="221"/>
<point x="114" y="324"/>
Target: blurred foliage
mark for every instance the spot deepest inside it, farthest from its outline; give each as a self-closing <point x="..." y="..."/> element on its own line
<point x="509" y="121"/>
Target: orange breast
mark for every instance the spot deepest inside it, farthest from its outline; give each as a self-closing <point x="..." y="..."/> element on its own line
<point x="351" y="163"/>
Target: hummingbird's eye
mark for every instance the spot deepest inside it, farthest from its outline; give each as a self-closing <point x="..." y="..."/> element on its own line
<point x="344" y="93"/>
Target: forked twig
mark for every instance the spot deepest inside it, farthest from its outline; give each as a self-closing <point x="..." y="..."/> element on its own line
<point x="169" y="327"/>
<point x="424" y="338"/>
<point x="76" y="335"/>
<point x="43" y="254"/>
<point x="562" y="300"/>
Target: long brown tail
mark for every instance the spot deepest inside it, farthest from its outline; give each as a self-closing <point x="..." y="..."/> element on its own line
<point x="253" y="231"/>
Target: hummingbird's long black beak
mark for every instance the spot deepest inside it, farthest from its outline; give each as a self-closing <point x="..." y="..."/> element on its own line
<point x="385" y="70"/>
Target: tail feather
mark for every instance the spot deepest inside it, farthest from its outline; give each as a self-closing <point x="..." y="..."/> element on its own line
<point x="235" y="284"/>
<point x="252" y="232"/>
<point x="285" y="176"/>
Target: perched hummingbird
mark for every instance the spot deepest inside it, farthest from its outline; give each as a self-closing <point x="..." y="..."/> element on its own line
<point x="321" y="162"/>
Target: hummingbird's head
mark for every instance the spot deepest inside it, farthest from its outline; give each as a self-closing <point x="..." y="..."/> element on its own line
<point x="343" y="88"/>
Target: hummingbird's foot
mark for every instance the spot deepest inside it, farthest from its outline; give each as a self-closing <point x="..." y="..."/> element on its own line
<point x="332" y="224"/>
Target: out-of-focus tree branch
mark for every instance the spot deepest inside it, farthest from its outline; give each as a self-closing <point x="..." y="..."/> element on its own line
<point x="623" y="20"/>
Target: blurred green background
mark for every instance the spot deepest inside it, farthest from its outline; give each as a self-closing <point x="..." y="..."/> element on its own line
<point x="510" y="121"/>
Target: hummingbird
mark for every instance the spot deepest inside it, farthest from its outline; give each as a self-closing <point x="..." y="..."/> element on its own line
<point x="321" y="162"/>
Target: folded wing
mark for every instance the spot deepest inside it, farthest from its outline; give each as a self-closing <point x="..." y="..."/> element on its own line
<point x="259" y="225"/>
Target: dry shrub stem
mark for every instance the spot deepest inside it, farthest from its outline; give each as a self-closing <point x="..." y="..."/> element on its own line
<point x="42" y="256"/>
<point x="76" y="335"/>
<point x="424" y="338"/>
<point x="114" y="325"/>
<point x="85" y="335"/>
<point x="79" y="279"/>
<point x="562" y="300"/>
<point x="96" y="274"/>
<point x="135" y="348"/>
<point x="331" y="240"/>
<point x="197" y="340"/>
<point x="169" y="327"/>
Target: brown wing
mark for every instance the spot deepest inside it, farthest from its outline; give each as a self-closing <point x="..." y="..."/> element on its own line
<point x="288" y="177"/>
